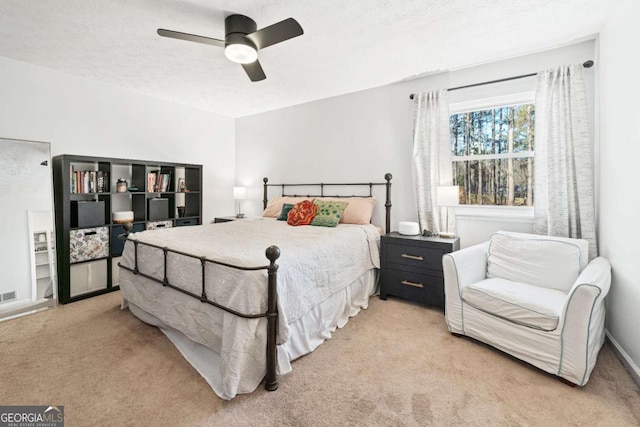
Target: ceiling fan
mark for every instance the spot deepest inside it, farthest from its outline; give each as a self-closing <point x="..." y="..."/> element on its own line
<point x="242" y="40"/>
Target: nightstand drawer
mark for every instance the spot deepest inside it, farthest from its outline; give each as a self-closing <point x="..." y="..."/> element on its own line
<point x="415" y="256"/>
<point x="421" y="288"/>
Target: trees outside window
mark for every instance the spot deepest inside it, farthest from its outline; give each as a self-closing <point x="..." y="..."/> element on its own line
<point x="492" y="154"/>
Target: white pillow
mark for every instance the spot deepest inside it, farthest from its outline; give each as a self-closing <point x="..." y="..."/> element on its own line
<point x="533" y="260"/>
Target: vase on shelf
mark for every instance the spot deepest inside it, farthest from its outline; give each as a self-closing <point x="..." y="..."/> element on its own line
<point x="121" y="185"/>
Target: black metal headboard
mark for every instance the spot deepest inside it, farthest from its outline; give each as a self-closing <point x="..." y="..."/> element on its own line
<point x="387" y="203"/>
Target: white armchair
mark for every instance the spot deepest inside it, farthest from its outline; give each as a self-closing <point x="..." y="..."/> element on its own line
<point x="534" y="297"/>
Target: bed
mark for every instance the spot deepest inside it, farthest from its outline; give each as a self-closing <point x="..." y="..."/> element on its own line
<point x="241" y="300"/>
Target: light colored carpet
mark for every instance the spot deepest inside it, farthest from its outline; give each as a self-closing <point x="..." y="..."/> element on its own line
<point x="394" y="364"/>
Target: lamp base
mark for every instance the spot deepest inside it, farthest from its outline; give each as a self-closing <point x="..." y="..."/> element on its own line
<point x="446" y="235"/>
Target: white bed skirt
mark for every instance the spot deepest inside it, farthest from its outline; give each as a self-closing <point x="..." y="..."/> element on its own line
<point x="307" y="333"/>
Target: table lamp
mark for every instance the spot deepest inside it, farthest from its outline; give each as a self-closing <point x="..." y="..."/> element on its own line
<point x="239" y="194"/>
<point x="447" y="196"/>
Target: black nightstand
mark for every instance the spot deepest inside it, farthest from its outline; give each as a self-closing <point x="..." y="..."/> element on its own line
<point x="411" y="267"/>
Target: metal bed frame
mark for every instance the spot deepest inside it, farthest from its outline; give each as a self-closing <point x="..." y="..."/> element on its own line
<point x="272" y="253"/>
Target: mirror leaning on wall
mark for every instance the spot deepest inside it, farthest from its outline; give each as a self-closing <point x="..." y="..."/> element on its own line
<point x="27" y="253"/>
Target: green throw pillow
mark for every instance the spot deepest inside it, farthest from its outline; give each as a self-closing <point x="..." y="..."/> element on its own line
<point x="284" y="213"/>
<point x="329" y="213"/>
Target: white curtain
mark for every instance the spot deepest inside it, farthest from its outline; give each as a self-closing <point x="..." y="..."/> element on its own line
<point x="431" y="156"/>
<point x="564" y="189"/>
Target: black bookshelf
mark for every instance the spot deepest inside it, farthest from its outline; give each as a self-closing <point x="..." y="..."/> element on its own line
<point x="79" y="179"/>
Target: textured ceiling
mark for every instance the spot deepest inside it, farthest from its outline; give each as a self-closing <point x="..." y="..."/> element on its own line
<point x="348" y="45"/>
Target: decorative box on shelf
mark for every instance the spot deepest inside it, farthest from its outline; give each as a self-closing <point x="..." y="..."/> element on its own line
<point x="158" y="209"/>
<point x="87" y="213"/>
<point x="182" y="222"/>
<point x="157" y="225"/>
<point x="88" y="243"/>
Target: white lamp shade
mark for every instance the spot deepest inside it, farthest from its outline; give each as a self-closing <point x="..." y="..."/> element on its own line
<point x="239" y="193"/>
<point x="448" y="195"/>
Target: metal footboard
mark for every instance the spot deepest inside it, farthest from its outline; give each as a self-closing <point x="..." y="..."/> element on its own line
<point x="272" y="253"/>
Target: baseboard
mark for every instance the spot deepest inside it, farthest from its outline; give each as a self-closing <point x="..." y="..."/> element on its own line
<point x="632" y="368"/>
<point x="21" y="308"/>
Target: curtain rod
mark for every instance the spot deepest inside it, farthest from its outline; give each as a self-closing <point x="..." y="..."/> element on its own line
<point x="587" y="64"/>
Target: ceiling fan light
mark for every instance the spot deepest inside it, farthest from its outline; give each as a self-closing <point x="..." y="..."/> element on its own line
<point x="240" y="53"/>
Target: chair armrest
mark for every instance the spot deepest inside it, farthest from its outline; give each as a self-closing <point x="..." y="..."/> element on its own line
<point x="593" y="283"/>
<point x="582" y="328"/>
<point x="466" y="266"/>
<point x="461" y="268"/>
<point x="597" y="273"/>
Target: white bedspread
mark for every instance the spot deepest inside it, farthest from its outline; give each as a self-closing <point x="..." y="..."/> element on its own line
<point x="315" y="263"/>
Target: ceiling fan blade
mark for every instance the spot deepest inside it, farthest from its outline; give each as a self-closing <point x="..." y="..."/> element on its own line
<point x="190" y="37"/>
<point x="254" y="71"/>
<point x="276" y="33"/>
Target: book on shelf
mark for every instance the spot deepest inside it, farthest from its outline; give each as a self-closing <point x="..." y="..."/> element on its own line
<point x="84" y="182"/>
<point x="152" y="177"/>
<point x="158" y="182"/>
<point x="166" y="178"/>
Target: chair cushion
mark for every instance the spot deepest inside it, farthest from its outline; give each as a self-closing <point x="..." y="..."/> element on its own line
<point x="534" y="260"/>
<point x="531" y="306"/>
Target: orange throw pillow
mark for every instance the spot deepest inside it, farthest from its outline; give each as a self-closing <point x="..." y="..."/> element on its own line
<point x="302" y="213"/>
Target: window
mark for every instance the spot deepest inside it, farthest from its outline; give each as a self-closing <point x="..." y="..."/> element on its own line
<point x="492" y="152"/>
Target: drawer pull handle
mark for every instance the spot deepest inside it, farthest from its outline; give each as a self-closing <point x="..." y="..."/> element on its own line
<point x="416" y="285"/>
<point x="161" y="225"/>
<point x="419" y="258"/>
<point x="90" y="233"/>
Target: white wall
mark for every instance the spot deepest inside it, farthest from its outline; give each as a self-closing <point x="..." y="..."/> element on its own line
<point x="82" y="116"/>
<point x="357" y="137"/>
<point x="363" y="135"/>
<point x="619" y="235"/>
